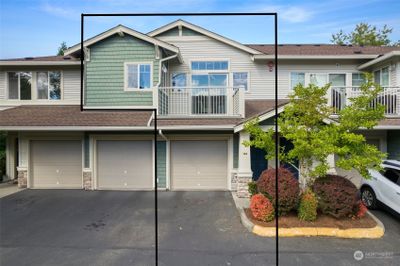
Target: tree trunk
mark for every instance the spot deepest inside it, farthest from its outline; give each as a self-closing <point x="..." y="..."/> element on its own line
<point x="303" y="175"/>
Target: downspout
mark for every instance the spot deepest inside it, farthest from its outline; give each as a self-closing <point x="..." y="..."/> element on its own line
<point x="167" y="176"/>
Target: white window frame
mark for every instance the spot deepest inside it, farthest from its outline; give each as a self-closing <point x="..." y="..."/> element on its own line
<point x="187" y="79"/>
<point x="33" y="86"/>
<point x="48" y="85"/>
<point x="380" y="74"/>
<point x="248" y="79"/>
<point x="210" y="70"/>
<point x="126" y="64"/>
<point x="352" y="85"/>
<point x="298" y="72"/>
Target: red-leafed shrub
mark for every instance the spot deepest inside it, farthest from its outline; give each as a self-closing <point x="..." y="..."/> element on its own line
<point x="336" y="195"/>
<point x="307" y="210"/>
<point x="288" y="188"/>
<point x="360" y="210"/>
<point x="261" y="208"/>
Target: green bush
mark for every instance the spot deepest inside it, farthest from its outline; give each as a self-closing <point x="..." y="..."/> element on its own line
<point x="307" y="210"/>
<point x="252" y="188"/>
<point x="336" y="195"/>
<point x="288" y="189"/>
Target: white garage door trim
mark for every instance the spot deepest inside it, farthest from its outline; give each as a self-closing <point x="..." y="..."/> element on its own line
<point x="30" y="172"/>
<point x="227" y="160"/>
<point x="97" y="138"/>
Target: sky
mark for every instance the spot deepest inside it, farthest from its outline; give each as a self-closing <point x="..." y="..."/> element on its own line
<point x="37" y="27"/>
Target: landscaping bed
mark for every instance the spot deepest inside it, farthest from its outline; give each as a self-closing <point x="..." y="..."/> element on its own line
<point x="291" y="220"/>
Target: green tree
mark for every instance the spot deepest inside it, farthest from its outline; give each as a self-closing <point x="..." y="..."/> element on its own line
<point x="364" y="34"/>
<point x="62" y="48"/>
<point x="306" y="122"/>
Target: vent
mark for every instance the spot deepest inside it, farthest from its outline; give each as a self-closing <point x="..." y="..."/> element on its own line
<point x="67" y="58"/>
<point x="357" y="52"/>
<point x="28" y="58"/>
<point x="317" y="45"/>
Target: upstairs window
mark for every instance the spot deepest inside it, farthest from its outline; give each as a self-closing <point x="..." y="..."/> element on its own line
<point x="19" y="85"/>
<point x="381" y="77"/>
<point x="357" y="79"/>
<point x="209" y="65"/>
<point x="297" y="78"/>
<point x="178" y="80"/>
<point x="240" y="79"/>
<point x="48" y="85"/>
<point x="137" y="76"/>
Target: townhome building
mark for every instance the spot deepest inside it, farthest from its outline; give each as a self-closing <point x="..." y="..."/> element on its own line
<point x="204" y="88"/>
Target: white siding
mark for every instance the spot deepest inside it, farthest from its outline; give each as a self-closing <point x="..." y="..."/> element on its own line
<point x="2" y="85"/>
<point x="72" y="85"/>
<point x="261" y="79"/>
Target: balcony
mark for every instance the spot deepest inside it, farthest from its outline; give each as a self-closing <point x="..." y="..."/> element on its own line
<point x="200" y="101"/>
<point x="389" y="97"/>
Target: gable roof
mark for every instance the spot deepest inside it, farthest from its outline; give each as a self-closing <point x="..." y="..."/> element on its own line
<point x="41" y="60"/>
<point x="122" y="29"/>
<point x="213" y="35"/>
<point x="380" y="59"/>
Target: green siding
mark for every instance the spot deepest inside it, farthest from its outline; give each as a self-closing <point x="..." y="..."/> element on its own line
<point x="86" y="151"/>
<point x="105" y="71"/>
<point x="189" y="32"/>
<point x="393" y="144"/>
<point x="162" y="164"/>
<point x="236" y="150"/>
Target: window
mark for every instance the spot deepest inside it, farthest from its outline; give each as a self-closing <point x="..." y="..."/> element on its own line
<point x="240" y="79"/>
<point x="391" y="174"/>
<point x="137" y="76"/>
<point x="178" y="80"/>
<point x="210" y="80"/>
<point x="337" y="80"/>
<point x="19" y="85"/>
<point x="48" y="85"/>
<point x="318" y="79"/>
<point x="381" y="77"/>
<point x="357" y="79"/>
<point x="209" y="65"/>
<point x="297" y="78"/>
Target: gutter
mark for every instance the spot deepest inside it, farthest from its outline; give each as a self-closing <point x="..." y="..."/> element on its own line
<point x="379" y="59"/>
<point x="162" y="135"/>
<point x="160" y="65"/>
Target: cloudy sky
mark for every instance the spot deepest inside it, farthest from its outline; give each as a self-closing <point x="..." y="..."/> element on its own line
<point x="36" y="28"/>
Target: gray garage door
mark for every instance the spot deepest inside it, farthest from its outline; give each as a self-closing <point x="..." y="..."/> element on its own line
<point x="124" y="164"/>
<point x="56" y="163"/>
<point x="199" y="165"/>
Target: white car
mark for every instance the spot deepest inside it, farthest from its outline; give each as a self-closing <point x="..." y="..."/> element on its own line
<point x="384" y="186"/>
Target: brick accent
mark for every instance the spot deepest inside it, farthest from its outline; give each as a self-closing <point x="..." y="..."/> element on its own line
<point x="22" y="178"/>
<point x="234" y="181"/>
<point x="243" y="187"/>
<point x="87" y="180"/>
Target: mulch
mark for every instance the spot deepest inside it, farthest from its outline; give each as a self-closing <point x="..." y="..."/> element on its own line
<point x="291" y="220"/>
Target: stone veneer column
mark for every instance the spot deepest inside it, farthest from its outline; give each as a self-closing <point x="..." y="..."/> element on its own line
<point x="22" y="177"/>
<point x="244" y="174"/>
<point x="87" y="179"/>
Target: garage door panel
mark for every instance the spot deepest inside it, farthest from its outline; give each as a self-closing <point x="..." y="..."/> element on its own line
<point x="124" y="164"/>
<point x="56" y="163"/>
<point x="199" y="165"/>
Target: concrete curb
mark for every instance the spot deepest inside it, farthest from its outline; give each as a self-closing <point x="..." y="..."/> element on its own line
<point x="376" y="232"/>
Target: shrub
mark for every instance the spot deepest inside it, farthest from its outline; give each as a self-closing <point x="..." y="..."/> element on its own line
<point x="308" y="206"/>
<point x="252" y="188"/>
<point x="262" y="208"/>
<point x="360" y="210"/>
<point x="288" y="188"/>
<point x="336" y="195"/>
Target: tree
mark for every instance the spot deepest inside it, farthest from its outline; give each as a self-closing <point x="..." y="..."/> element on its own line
<point x="306" y="122"/>
<point x="364" y="34"/>
<point x="62" y="48"/>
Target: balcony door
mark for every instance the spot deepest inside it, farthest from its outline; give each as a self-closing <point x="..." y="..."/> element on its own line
<point x="209" y="93"/>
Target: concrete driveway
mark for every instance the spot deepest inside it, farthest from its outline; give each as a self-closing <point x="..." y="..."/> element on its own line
<point x="74" y="227"/>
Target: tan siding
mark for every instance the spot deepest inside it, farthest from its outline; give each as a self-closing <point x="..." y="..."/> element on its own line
<point x="261" y="80"/>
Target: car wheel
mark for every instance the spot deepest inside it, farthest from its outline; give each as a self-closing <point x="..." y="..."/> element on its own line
<point x="368" y="198"/>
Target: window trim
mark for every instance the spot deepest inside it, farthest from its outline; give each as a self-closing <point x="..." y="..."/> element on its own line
<point x="359" y="73"/>
<point x="126" y="88"/>
<point x="48" y="86"/>
<point x="176" y="73"/>
<point x="33" y="86"/>
<point x="248" y="79"/>
<point x="380" y="74"/>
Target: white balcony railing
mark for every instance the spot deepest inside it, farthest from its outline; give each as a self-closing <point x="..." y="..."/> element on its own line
<point x="338" y="98"/>
<point x="200" y="101"/>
